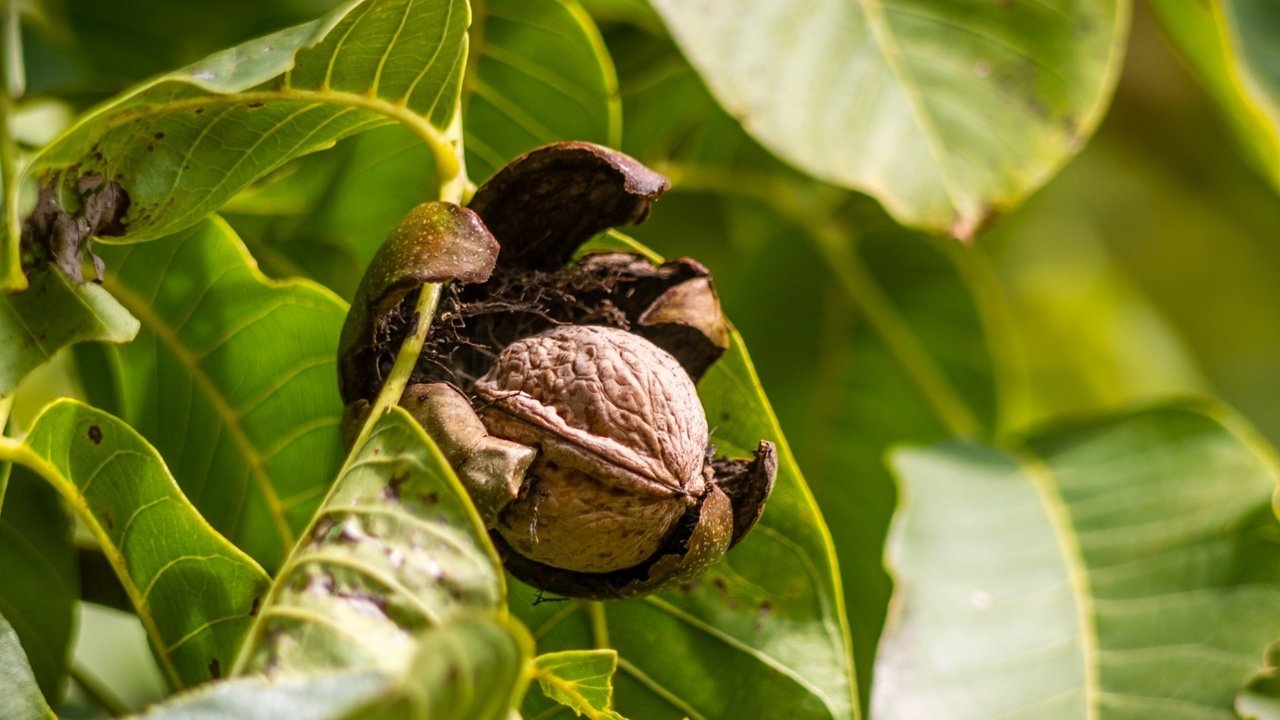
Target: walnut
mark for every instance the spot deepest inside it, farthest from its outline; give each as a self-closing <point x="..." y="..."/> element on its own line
<point x="564" y="396"/>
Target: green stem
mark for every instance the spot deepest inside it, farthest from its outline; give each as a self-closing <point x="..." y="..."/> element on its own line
<point x="8" y="149"/>
<point x="898" y="337"/>
<point x="5" y="467"/>
<point x="599" y="624"/>
<point x="97" y="692"/>
<point x="817" y="217"/>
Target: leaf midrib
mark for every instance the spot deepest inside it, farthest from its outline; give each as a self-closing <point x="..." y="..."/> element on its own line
<point x="1041" y="479"/>
<point x="928" y="129"/>
<point x="217" y="401"/>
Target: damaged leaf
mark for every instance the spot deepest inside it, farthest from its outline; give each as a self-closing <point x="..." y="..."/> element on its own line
<point x="185" y="142"/>
<point x="52" y="313"/>
<point x="395" y="549"/>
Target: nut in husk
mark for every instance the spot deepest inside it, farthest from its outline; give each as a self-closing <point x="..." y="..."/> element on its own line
<point x="563" y="395"/>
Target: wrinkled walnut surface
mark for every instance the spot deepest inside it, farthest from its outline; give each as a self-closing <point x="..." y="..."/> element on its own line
<point x="602" y="394"/>
<point x="621" y="439"/>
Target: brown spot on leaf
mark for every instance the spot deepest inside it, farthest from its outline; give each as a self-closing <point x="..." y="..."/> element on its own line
<point x="95" y="434"/>
<point x="215" y="668"/>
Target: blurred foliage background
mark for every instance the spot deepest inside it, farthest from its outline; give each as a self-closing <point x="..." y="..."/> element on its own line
<point x="1145" y="269"/>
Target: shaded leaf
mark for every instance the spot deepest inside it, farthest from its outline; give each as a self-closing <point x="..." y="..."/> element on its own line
<point x="232" y="379"/>
<point x="51" y="314"/>
<point x="1123" y="568"/>
<point x="41" y="583"/>
<point x="947" y="113"/>
<point x="537" y="72"/>
<point x="183" y="143"/>
<point x="1231" y="46"/>
<point x="22" y="698"/>
<point x="194" y="591"/>
<point x="394" y="549"/>
<point x="581" y="680"/>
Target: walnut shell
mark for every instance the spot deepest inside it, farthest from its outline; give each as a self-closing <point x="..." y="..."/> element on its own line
<point x="622" y="440"/>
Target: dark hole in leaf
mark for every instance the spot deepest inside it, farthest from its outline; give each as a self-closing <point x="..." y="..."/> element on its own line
<point x="95" y="434"/>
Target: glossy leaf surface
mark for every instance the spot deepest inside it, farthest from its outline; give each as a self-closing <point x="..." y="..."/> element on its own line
<point x="194" y="591"/>
<point x="1119" y="569"/>
<point x="232" y="379"/>
<point x="185" y="142"/>
<point x="946" y="112"/>
<point x="581" y="680"/>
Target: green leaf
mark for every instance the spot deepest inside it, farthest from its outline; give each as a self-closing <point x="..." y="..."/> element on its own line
<point x="1123" y="568"/>
<point x="185" y="142"/>
<point x="762" y="634"/>
<point x="194" y="591"/>
<point x="41" y="582"/>
<point x="22" y="698"/>
<point x="1230" y="45"/>
<point x="395" y="548"/>
<point x="581" y="680"/>
<point x="947" y="113"/>
<point x="540" y="72"/>
<point x="537" y="72"/>
<point x="842" y="395"/>
<point x="471" y="668"/>
<point x="51" y="314"/>
<point x="232" y="379"/>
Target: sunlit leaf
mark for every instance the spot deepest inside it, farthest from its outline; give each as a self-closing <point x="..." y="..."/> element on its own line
<point x="537" y="72"/>
<point x="1122" y="568"/>
<point x="183" y="143"/>
<point x="22" y="698"/>
<point x="51" y="314"/>
<point x="947" y="112"/>
<point x="471" y="668"/>
<point x="194" y="592"/>
<point x="41" y="584"/>
<point x="232" y="379"/>
<point x="395" y="548"/>
<point x="581" y="680"/>
<point x="1231" y="46"/>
